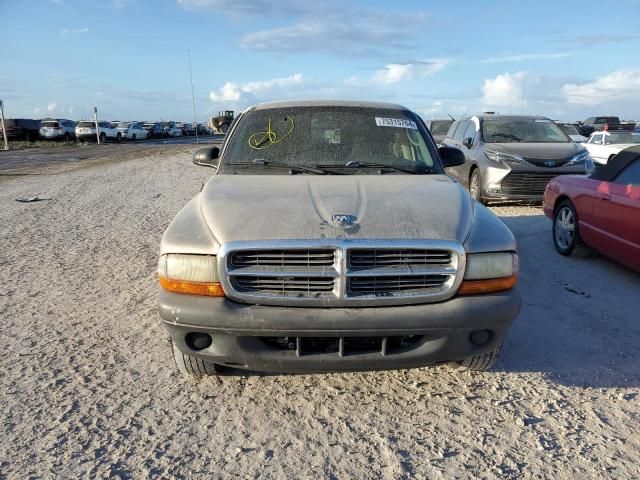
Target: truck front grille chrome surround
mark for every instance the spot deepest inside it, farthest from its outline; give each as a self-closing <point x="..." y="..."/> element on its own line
<point x="341" y="272"/>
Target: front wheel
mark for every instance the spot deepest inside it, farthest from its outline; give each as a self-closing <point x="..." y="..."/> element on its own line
<point x="566" y="232"/>
<point x="118" y="137"/>
<point x="133" y="137"/>
<point x="193" y="366"/>
<point x="103" y="138"/>
<point x="475" y="186"/>
<point x="478" y="363"/>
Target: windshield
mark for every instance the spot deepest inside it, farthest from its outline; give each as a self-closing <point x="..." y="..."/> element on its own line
<point x="329" y="137"/>
<point x="50" y="124"/>
<point x="440" y="127"/>
<point x="87" y="124"/>
<point x="522" y="130"/>
<point x="623" y="137"/>
<point x="123" y="125"/>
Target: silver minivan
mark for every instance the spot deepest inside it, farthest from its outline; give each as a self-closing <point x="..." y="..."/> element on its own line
<point x="513" y="157"/>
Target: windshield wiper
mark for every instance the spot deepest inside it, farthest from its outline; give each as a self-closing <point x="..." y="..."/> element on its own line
<point x="293" y="168"/>
<point x="359" y="164"/>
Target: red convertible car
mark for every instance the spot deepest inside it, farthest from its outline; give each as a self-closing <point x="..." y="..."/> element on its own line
<point x="601" y="211"/>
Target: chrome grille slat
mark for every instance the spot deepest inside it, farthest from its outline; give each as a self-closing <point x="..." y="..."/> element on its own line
<point x="341" y="272"/>
<point x="371" y="258"/>
<point x="283" y="258"/>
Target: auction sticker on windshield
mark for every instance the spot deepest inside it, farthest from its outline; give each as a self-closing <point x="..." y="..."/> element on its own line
<point x="396" y="122"/>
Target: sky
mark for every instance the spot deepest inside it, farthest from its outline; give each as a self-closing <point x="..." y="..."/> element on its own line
<point x="566" y="59"/>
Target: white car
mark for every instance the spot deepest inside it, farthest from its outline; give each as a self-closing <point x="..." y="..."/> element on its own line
<point x="174" y="131"/>
<point x="57" y="129"/>
<point x="602" y="146"/>
<point x="86" y="130"/>
<point x="132" y="131"/>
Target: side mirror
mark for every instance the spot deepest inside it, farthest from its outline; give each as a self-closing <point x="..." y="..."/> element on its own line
<point x="206" y="157"/>
<point x="468" y="142"/>
<point x="451" y="157"/>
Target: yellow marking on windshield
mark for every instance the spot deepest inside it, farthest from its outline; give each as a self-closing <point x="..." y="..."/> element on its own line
<point x="264" y="139"/>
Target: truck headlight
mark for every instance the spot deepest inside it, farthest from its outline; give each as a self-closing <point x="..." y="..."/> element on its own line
<point x="194" y="274"/>
<point x="489" y="273"/>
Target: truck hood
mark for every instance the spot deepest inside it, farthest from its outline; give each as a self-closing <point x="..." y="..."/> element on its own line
<point x="282" y="207"/>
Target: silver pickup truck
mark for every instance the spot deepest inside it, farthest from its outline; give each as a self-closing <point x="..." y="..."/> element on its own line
<point x="330" y="238"/>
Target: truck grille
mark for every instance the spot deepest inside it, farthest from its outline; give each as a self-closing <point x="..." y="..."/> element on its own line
<point x="340" y="272"/>
<point x="282" y="258"/>
<point x="531" y="183"/>
<point x="284" y="285"/>
<point x="387" y="285"/>
<point x="360" y="258"/>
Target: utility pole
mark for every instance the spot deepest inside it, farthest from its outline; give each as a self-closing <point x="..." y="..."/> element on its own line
<point x="95" y="119"/>
<point x="4" y="130"/>
<point x="193" y="97"/>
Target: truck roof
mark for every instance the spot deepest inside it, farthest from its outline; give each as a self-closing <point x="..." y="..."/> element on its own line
<point x="326" y="103"/>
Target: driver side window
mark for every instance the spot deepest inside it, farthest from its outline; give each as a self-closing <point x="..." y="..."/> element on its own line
<point x="597" y="139"/>
<point x="470" y="132"/>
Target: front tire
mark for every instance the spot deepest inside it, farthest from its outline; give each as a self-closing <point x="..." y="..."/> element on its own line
<point x="566" y="231"/>
<point x="475" y="186"/>
<point x="118" y="138"/>
<point x="103" y="138"/>
<point x="133" y="137"/>
<point x="478" y="363"/>
<point x="193" y="367"/>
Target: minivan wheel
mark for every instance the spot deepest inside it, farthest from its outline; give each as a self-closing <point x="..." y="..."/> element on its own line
<point x="566" y="232"/>
<point x="103" y="138"/>
<point x="193" y="367"/>
<point x="475" y="182"/>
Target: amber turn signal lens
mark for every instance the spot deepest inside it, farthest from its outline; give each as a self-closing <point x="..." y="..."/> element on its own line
<point x="492" y="285"/>
<point x="194" y="288"/>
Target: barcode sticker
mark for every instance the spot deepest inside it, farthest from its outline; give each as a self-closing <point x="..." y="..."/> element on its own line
<point x="396" y="122"/>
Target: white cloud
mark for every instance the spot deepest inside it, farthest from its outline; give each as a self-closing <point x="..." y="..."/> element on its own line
<point x="74" y="31"/>
<point x="505" y="90"/>
<point x="621" y="85"/>
<point x="396" y="72"/>
<point x="525" y="57"/>
<point x="52" y="107"/>
<point x="250" y="92"/>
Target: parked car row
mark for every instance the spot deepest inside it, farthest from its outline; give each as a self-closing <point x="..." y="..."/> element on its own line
<point x="67" y="130"/>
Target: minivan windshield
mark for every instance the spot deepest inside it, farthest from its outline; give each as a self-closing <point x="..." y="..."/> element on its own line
<point x="87" y="124"/>
<point x="522" y="130"/>
<point x="338" y="139"/>
<point x="50" y="124"/>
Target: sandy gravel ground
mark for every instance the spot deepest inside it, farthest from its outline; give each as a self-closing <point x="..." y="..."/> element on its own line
<point x="88" y="388"/>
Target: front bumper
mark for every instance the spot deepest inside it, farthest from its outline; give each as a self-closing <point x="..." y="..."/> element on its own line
<point x="441" y="331"/>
